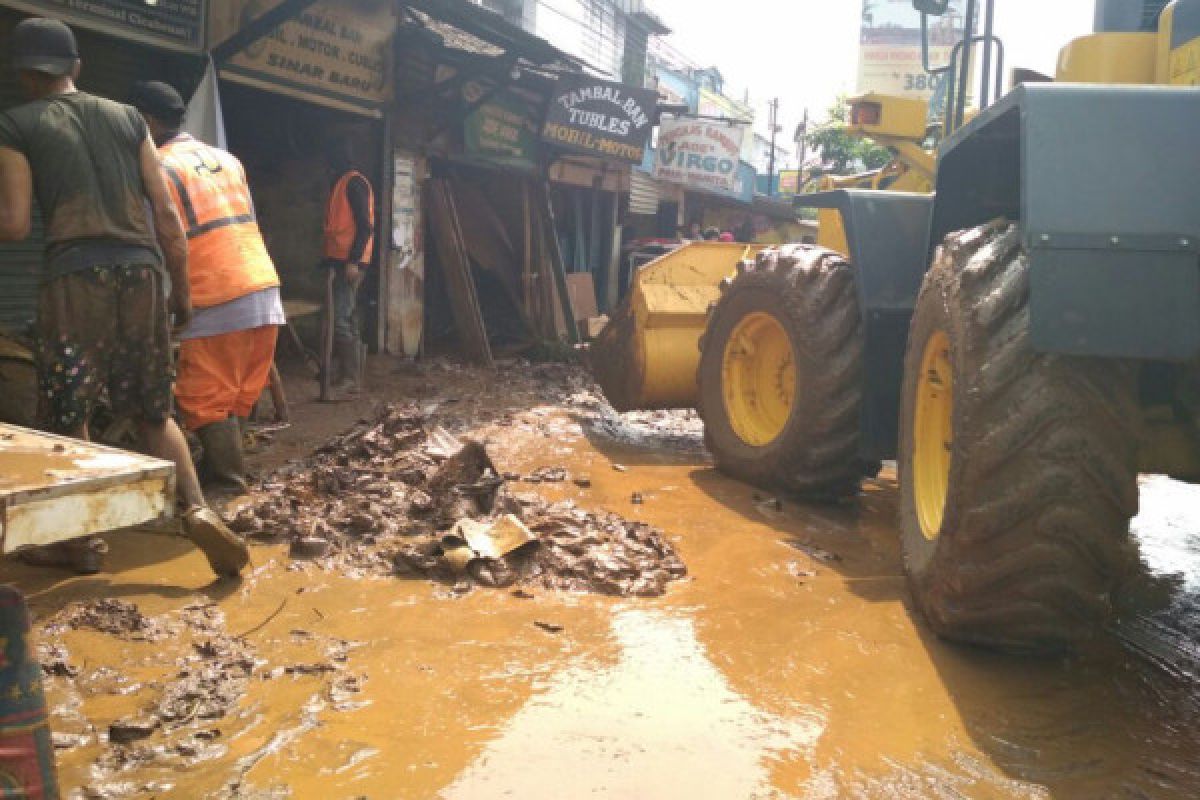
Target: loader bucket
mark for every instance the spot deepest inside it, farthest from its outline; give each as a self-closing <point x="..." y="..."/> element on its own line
<point x="647" y="355"/>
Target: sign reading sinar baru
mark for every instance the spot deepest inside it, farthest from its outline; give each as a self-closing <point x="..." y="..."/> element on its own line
<point x="333" y="53"/>
<point x="600" y="118"/>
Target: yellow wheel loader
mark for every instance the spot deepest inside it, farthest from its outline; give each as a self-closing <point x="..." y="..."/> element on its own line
<point x="1023" y="341"/>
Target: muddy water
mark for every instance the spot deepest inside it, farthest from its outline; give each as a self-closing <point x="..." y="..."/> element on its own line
<point x="789" y="664"/>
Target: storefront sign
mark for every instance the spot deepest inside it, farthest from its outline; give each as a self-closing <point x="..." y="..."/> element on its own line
<point x="889" y="58"/>
<point x="178" y="24"/>
<point x="333" y="53"/>
<point x="501" y="131"/>
<point x="700" y="154"/>
<point x="603" y="119"/>
<point x="789" y="182"/>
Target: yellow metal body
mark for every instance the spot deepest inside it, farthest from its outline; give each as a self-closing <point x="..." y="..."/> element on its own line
<point x="1109" y="58"/>
<point x="933" y="434"/>
<point x="647" y="357"/>
<point x="758" y="376"/>
<point x="1179" y="66"/>
<point x="1132" y="58"/>
<point x="899" y="124"/>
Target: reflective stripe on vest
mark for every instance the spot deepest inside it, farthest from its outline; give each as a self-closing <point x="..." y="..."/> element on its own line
<point x="339" y="220"/>
<point x="227" y="258"/>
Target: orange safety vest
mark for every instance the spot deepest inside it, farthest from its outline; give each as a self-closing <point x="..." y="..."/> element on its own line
<point x="339" y="220"/>
<point x="227" y="258"/>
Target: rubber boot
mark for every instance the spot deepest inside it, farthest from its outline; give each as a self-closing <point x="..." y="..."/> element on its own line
<point x="227" y="554"/>
<point x="349" y="359"/>
<point x="223" y="462"/>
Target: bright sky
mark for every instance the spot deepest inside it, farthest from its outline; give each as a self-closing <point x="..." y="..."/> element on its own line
<point x="805" y="51"/>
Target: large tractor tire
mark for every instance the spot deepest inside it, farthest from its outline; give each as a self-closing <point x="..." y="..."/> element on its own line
<point x="1017" y="470"/>
<point x="781" y="374"/>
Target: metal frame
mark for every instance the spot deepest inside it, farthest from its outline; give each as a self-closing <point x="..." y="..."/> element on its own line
<point x="886" y="232"/>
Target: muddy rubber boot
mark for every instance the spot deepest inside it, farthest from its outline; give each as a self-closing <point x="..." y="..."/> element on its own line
<point x="227" y="554"/>
<point x="349" y="359"/>
<point x="223" y="461"/>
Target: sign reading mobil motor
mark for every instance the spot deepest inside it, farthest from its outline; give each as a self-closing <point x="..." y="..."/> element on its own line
<point x="700" y="154"/>
<point x="178" y="24"/>
<point x="599" y="118"/>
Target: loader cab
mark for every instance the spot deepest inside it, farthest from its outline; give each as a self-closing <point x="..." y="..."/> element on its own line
<point x="1137" y="42"/>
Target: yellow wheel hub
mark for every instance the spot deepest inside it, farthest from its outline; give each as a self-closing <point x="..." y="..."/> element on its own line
<point x="758" y="375"/>
<point x="933" y="433"/>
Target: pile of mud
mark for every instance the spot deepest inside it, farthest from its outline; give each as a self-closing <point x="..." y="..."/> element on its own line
<point x="391" y="497"/>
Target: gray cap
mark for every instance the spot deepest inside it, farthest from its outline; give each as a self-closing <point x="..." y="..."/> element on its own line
<point x="43" y="45"/>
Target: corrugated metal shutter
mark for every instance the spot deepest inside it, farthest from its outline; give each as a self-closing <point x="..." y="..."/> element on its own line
<point x="110" y="68"/>
<point x="20" y="262"/>
<point x="643" y="193"/>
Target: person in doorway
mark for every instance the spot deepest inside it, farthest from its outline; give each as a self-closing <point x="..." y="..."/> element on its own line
<point x="227" y="349"/>
<point x="349" y="242"/>
<point x="745" y="232"/>
<point x="695" y="232"/>
<point x="103" y="304"/>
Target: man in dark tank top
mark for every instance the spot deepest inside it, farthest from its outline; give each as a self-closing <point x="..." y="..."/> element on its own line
<point x="114" y="243"/>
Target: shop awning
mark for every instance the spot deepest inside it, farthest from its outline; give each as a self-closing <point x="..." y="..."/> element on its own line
<point x="495" y="30"/>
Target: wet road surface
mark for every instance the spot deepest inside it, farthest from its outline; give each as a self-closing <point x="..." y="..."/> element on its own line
<point x="789" y="664"/>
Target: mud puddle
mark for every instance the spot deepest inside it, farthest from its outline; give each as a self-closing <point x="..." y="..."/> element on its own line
<point x="788" y="664"/>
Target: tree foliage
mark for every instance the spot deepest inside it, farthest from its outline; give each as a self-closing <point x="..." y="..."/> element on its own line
<point x="841" y="152"/>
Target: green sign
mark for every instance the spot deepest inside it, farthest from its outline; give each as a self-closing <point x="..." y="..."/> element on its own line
<point x="502" y="132"/>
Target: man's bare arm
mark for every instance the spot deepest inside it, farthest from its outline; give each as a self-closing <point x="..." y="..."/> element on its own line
<point x="16" y="195"/>
<point x="169" y="230"/>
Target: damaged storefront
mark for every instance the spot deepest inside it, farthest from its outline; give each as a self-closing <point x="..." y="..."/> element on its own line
<point x="526" y="164"/>
<point x="306" y="91"/>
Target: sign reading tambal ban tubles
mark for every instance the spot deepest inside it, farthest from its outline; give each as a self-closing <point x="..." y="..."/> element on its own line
<point x="699" y="153"/>
<point x="332" y="53"/>
<point x="610" y="120"/>
<point x="177" y="24"/>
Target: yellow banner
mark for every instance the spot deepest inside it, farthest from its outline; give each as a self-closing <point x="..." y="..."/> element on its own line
<point x="334" y="53"/>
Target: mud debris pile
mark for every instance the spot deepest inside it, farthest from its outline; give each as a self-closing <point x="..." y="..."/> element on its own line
<point x="388" y="497"/>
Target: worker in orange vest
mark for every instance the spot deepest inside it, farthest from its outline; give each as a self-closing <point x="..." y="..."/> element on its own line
<point x="349" y="243"/>
<point x="227" y="350"/>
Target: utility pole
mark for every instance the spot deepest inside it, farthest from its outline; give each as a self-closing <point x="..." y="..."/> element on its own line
<point x="801" y="139"/>
<point x="771" y="157"/>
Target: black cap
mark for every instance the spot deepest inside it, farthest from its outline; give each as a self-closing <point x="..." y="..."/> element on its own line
<point x="43" y="45"/>
<point x="159" y="100"/>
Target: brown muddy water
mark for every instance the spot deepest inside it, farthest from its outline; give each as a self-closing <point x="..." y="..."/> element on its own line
<point x="789" y="663"/>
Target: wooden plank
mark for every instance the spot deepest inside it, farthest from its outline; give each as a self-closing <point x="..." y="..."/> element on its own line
<point x="452" y="254"/>
<point x="558" y="267"/>
<point x="582" y="288"/>
<point x="488" y="243"/>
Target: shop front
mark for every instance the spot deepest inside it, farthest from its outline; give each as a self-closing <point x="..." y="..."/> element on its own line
<point x="291" y="98"/>
<point x="517" y="205"/>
